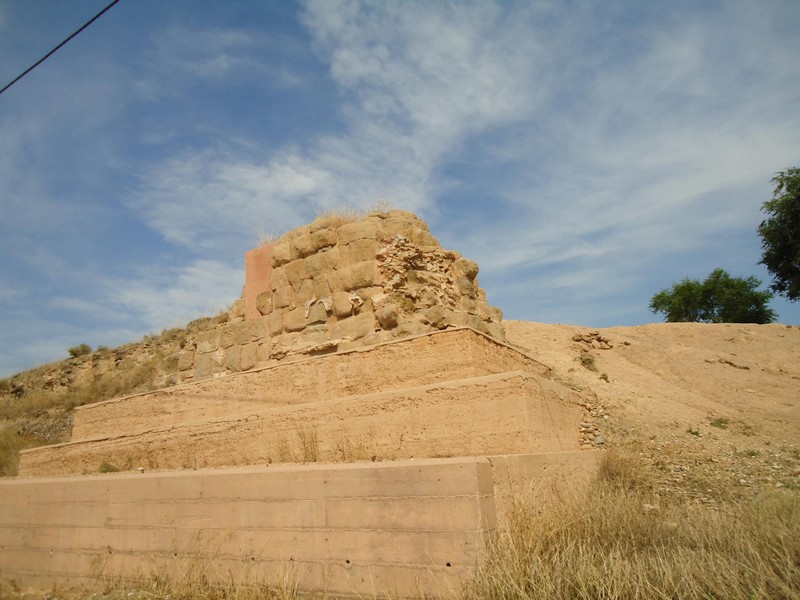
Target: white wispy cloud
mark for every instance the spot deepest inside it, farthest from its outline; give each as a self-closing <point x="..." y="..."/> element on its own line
<point x="605" y="145"/>
<point x="416" y="81"/>
<point x="162" y="298"/>
<point x="585" y="154"/>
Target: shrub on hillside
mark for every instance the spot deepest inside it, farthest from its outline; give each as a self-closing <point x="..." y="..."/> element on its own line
<point x="80" y="350"/>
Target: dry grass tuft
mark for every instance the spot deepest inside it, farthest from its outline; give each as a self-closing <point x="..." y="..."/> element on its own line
<point x="622" y="541"/>
<point x="193" y="585"/>
<point x="309" y="443"/>
<point x="266" y="238"/>
<point x="350" y="214"/>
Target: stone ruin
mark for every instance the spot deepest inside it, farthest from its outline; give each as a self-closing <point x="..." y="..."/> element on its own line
<point x="368" y="281"/>
<point x="353" y="426"/>
<point x="335" y="285"/>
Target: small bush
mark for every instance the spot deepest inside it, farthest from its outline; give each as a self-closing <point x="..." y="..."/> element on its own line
<point x="10" y="445"/>
<point x="107" y="467"/>
<point x="720" y="422"/>
<point x="11" y="442"/>
<point x="588" y="360"/>
<point x="80" y="350"/>
<point x="750" y="453"/>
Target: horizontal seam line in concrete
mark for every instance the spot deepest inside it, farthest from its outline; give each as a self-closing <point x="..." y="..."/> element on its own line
<point x="241" y="557"/>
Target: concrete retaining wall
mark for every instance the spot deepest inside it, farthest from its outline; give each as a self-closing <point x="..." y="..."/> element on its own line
<point x="394" y="529"/>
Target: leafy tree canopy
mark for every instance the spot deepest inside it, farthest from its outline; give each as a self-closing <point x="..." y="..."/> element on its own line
<point x="719" y="299"/>
<point x="780" y="234"/>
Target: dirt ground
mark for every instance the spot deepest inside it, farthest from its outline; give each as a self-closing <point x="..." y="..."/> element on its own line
<point x="714" y="408"/>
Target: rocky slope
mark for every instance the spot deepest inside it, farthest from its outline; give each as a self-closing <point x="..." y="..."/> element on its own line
<point x="713" y="409"/>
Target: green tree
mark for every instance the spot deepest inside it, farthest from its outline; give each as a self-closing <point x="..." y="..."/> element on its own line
<point x="719" y="299"/>
<point x="780" y="234"/>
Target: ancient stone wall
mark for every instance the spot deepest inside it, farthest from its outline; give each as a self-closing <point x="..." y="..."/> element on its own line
<point x="335" y="285"/>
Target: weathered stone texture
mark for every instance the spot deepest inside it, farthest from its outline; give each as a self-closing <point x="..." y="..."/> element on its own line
<point x="339" y="284"/>
<point x="208" y="341"/>
<point x="264" y="303"/>
<point x="355" y="327"/>
<point x="360" y="275"/>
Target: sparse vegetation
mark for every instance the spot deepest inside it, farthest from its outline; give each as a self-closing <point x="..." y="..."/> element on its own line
<point x="11" y="442"/>
<point x="623" y="541"/>
<point x="267" y="238"/>
<point x="309" y="443"/>
<point x="618" y="540"/>
<point x="107" y="467"/>
<point x="10" y="445"/>
<point x="349" y="449"/>
<point x="351" y="214"/>
<point x="588" y="360"/>
<point x="80" y="350"/>
<point x="50" y="405"/>
<point x="193" y="585"/>
<point x="720" y="422"/>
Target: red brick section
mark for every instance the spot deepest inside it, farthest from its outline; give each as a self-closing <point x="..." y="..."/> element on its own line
<point x="258" y="275"/>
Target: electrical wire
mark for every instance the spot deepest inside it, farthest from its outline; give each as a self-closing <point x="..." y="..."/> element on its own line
<point x="54" y="50"/>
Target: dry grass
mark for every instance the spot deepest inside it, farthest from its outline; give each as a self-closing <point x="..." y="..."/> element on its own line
<point x="266" y="238"/>
<point x="309" y="443"/>
<point x="353" y="449"/>
<point x="193" y="585"/>
<point x="622" y="541"/>
<point x="10" y="445"/>
<point x="588" y="360"/>
<point x="47" y="405"/>
<point x="350" y="214"/>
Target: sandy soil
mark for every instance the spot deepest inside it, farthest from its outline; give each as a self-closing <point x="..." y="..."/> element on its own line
<point x="715" y="409"/>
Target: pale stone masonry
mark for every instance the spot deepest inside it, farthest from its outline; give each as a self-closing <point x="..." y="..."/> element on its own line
<point x="336" y="285"/>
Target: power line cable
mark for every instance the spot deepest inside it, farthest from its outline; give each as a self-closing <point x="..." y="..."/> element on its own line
<point x="54" y="50"/>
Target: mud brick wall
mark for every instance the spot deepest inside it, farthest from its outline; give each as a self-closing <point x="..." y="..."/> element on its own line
<point x="335" y="285"/>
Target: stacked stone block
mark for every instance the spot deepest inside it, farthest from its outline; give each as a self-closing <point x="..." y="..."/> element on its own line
<point x="371" y="280"/>
<point x="337" y="284"/>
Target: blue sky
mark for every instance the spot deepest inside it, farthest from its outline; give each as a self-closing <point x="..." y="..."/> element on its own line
<point x="585" y="154"/>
